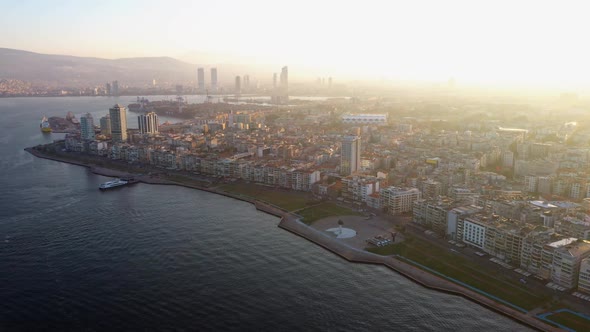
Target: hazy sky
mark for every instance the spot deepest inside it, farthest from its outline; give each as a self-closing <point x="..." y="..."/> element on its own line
<point x="513" y="42"/>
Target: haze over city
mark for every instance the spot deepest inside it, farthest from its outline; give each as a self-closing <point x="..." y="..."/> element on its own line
<point x="494" y="43"/>
<point x="294" y="165"/>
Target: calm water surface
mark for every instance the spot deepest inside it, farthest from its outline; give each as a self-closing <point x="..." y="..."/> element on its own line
<point x="160" y="257"/>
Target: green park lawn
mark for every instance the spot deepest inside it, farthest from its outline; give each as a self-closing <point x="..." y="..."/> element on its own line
<point x="324" y="210"/>
<point x="186" y="180"/>
<point x="471" y="273"/>
<point x="570" y="320"/>
<point x="285" y="199"/>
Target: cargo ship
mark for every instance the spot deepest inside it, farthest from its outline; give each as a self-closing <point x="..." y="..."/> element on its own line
<point x="45" y="127"/>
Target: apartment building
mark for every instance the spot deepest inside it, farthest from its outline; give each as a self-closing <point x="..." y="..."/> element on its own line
<point x="566" y="263"/>
<point x="399" y="200"/>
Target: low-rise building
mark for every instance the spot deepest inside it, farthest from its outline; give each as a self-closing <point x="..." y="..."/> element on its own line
<point x="574" y="227"/>
<point x="498" y="236"/>
<point x="433" y="214"/>
<point x="566" y="263"/>
<point x="533" y="245"/>
<point x="374" y="119"/>
<point x="454" y="226"/>
<point x="359" y="188"/>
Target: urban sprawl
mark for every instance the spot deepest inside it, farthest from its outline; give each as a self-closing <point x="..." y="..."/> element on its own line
<point x="512" y="187"/>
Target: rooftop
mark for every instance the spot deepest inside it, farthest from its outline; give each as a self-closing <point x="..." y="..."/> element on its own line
<point x="543" y="204"/>
<point x="563" y="242"/>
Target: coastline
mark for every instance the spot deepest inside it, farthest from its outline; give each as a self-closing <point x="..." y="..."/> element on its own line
<point x="290" y="222"/>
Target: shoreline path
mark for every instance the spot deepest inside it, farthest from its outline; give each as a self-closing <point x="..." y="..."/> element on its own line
<point x="291" y="223"/>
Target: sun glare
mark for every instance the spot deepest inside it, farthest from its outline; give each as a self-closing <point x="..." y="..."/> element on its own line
<point x="495" y="42"/>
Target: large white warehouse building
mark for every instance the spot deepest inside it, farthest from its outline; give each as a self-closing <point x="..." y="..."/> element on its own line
<point x="378" y="119"/>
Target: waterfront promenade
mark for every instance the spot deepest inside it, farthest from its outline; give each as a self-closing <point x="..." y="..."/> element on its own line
<point x="426" y="279"/>
<point x="291" y="223"/>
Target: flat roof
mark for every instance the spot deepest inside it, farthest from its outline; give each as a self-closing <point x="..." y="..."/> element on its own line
<point x="563" y="242"/>
<point x="543" y="204"/>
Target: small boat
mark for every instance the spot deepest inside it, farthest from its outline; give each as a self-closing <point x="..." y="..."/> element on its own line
<point x="45" y="127"/>
<point x="113" y="184"/>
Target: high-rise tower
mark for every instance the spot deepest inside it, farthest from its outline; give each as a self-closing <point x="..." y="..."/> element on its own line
<point x="285" y="80"/>
<point x="238" y="87"/>
<point x="118" y="115"/>
<point x="246" y="82"/>
<point x="87" y="127"/>
<point x="115" y="88"/>
<point x="105" y="125"/>
<point x="201" y="80"/>
<point x="350" y="161"/>
<point x="148" y="123"/>
<point x="214" y="79"/>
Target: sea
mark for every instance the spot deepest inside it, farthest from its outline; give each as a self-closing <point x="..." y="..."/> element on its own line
<point x="154" y="258"/>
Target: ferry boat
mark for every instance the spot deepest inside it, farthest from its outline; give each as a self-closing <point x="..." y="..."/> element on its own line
<point x="45" y="127"/>
<point x="113" y="184"/>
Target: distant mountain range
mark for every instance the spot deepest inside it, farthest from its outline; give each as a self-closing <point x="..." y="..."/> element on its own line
<point x="72" y="71"/>
<point x="66" y="71"/>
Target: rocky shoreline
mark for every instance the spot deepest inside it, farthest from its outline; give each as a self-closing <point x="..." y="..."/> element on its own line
<point x="291" y="223"/>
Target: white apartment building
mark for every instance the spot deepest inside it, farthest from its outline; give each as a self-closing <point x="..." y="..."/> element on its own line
<point x="584" y="278"/>
<point x="453" y="224"/>
<point x="566" y="263"/>
<point x="359" y="188"/>
<point x="378" y="119"/>
<point x="474" y="233"/>
<point x="399" y="200"/>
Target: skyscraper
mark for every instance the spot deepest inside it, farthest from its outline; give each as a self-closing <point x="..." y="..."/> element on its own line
<point x="148" y="123"/>
<point x="109" y="89"/>
<point x="87" y="127"/>
<point x="246" y="82"/>
<point x="283" y="93"/>
<point x="115" y="88"/>
<point x="285" y="80"/>
<point x="105" y="125"/>
<point x="118" y="115"/>
<point x="350" y="161"/>
<point x="214" y="79"/>
<point x="238" y="87"/>
<point x="274" y="80"/>
<point x="201" y="79"/>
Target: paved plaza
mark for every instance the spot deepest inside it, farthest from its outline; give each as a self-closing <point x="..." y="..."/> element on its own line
<point x="365" y="229"/>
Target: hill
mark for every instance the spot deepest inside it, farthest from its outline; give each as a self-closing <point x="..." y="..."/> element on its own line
<point x="72" y="71"/>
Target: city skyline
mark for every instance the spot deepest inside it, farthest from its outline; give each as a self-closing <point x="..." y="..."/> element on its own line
<point x="536" y="44"/>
